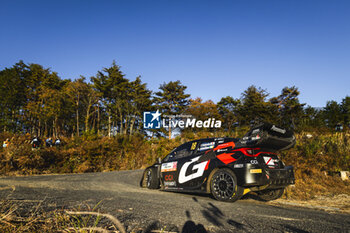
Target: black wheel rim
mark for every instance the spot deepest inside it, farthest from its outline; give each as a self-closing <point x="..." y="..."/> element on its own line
<point x="224" y="185"/>
<point x="148" y="178"/>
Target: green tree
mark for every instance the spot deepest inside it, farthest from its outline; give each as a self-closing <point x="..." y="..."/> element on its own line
<point x="12" y="98"/>
<point x="332" y="114"/>
<point x="172" y="99"/>
<point x="289" y="108"/>
<point x="112" y="85"/>
<point x="139" y="101"/>
<point x="255" y="108"/>
<point x="345" y="109"/>
<point x="227" y="108"/>
<point x="202" y="110"/>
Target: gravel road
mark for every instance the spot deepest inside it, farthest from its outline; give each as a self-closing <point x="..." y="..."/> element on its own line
<point x="142" y="210"/>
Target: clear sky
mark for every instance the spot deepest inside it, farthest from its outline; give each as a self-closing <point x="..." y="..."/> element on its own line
<point x="216" y="48"/>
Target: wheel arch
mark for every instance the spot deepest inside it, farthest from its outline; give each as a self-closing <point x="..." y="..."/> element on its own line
<point x="144" y="171"/>
<point x="212" y="173"/>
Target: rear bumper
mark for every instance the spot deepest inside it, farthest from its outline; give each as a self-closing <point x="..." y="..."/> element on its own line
<point x="280" y="177"/>
<point x="274" y="178"/>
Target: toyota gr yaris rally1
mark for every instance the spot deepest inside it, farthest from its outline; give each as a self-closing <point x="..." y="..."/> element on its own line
<point x="227" y="168"/>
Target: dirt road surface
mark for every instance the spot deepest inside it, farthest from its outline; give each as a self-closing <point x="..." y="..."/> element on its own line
<point x="142" y="210"/>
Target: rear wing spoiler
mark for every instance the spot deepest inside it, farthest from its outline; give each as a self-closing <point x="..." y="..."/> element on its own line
<point x="268" y="136"/>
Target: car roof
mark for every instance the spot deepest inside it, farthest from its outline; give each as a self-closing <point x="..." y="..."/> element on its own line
<point x="214" y="139"/>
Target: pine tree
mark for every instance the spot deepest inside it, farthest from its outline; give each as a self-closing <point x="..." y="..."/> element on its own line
<point x="227" y="108"/>
<point x="171" y="99"/>
<point x="289" y="108"/>
<point x="254" y="108"/>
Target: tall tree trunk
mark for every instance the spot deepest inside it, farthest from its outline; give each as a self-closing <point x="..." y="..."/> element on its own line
<point x="126" y="125"/>
<point x="77" y="113"/>
<point x="169" y="128"/>
<point x="121" y="123"/>
<point x="98" y="120"/>
<point x="109" y="123"/>
<point x="132" y="126"/>
<point x="87" y="117"/>
<point x="93" y="126"/>
<point x="39" y="129"/>
<point x="54" y="130"/>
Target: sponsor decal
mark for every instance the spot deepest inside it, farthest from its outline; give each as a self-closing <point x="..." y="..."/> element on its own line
<point x="221" y="150"/>
<point x="168" y="177"/>
<point x="254" y="161"/>
<point x="238" y="165"/>
<point x="172" y="188"/>
<point x="197" y="168"/>
<point x="255" y="171"/>
<point x="151" y="120"/>
<point x="169" y="167"/>
<point x="270" y="161"/>
<point x="206" y="146"/>
<point x="279" y="130"/>
<point x="256" y="131"/>
<point x="171" y="183"/>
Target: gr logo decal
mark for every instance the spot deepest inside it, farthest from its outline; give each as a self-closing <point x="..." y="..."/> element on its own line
<point x="197" y="168"/>
<point x="168" y="177"/>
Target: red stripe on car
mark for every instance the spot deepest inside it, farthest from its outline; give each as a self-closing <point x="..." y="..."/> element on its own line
<point x="206" y="166"/>
<point x="221" y="146"/>
<point x="226" y="158"/>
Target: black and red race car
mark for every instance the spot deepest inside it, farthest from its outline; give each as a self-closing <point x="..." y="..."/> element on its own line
<point x="228" y="168"/>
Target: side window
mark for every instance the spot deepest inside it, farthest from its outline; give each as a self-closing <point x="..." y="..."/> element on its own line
<point x="206" y="145"/>
<point x="181" y="151"/>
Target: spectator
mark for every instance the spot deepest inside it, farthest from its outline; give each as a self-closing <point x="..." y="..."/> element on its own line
<point x="57" y="142"/>
<point x="6" y="143"/>
<point x="49" y="142"/>
<point x="35" y="143"/>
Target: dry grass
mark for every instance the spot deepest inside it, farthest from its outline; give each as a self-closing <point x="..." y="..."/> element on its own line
<point x="311" y="157"/>
<point x="35" y="219"/>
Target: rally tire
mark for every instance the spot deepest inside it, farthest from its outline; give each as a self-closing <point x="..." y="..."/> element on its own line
<point x="270" y="194"/>
<point x="150" y="179"/>
<point x="223" y="186"/>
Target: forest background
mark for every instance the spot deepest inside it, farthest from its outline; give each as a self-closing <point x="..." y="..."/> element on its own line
<point x="99" y="121"/>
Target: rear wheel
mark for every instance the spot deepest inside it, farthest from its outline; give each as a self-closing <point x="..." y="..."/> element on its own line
<point x="150" y="179"/>
<point x="270" y="194"/>
<point x="224" y="186"/>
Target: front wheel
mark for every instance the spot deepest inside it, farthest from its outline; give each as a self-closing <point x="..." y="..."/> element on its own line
<point x="224" y="186"/>
<point x="150" y="179"/>
<point x="270" y="194"/>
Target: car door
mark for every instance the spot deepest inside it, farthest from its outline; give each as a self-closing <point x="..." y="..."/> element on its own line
<point x="190" y="172"/>
<point x="173" y="162"/>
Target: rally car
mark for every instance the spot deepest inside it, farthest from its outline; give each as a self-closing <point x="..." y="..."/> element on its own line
<point x="228" y="168"/>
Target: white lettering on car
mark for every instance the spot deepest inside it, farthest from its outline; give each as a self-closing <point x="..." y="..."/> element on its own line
<point x="200" y="170"/>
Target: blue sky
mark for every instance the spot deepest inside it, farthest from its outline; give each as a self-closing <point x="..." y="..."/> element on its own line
<point x="216" y="48"/>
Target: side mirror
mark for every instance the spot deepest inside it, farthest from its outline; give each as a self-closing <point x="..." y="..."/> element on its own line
<point x="159" y="160"/>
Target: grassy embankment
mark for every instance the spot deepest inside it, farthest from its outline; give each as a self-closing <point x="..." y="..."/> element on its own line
<point x="311" y="158"/>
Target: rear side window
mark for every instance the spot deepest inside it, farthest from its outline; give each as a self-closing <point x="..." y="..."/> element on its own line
<point x="206" y="145"/>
